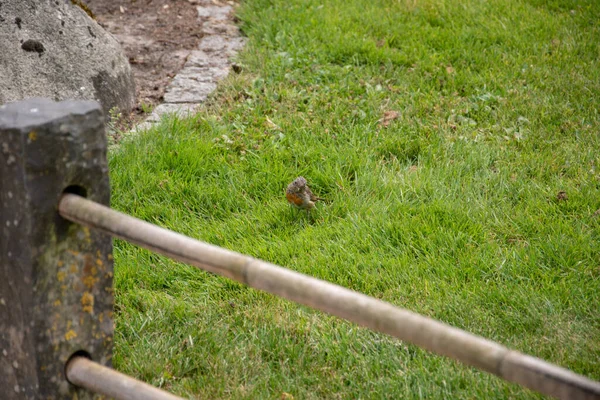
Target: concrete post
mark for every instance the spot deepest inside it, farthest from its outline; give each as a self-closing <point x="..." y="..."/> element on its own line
<point x="56" y="295"/>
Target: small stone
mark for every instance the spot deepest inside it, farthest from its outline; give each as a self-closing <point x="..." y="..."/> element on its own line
<point x="182" y="109"/>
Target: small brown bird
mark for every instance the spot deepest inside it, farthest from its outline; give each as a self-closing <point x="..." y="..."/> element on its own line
<point x="299" y="194"/>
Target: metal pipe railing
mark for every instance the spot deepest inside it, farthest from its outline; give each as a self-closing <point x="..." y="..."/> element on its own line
<point x="440" y="338"/>
<point x="87" y="374"/>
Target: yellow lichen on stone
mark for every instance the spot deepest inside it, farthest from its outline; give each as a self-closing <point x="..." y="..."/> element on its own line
<point x="60" y="276"/>
<point x="70" y="334"/>
<point x="85" y="8"/>
<point x="87" y="302"/>
<point x="86" y="232"/>
<point x="90" y="281"/>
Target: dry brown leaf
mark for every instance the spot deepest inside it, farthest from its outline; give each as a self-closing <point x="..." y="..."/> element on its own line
<point x="562" y="196"/>
<point x="272" y="124"/>
<point x="388" y="117"/>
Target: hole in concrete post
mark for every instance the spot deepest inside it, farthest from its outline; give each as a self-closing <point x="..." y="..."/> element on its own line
<point x="62" y="224"/>
<point x="76" y="189"/>
<point x="78" y="353"/>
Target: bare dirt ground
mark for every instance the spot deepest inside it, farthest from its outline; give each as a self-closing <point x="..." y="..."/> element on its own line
<point x="156" y="35"/>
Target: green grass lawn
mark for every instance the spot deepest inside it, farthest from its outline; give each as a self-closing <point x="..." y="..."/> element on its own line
<point x="451" y="209"/>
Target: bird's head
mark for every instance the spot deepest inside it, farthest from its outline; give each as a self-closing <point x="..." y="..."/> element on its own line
<point x="300" y="182"/>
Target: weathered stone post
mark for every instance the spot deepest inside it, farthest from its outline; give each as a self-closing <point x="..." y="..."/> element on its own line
<point x="56" y="295"/>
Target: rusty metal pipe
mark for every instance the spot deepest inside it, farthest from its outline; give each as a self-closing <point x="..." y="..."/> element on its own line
<point x="380" y="316"/>
<point x="96" y="378"/>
